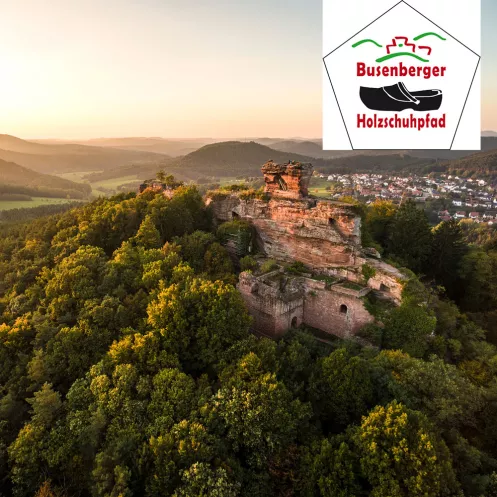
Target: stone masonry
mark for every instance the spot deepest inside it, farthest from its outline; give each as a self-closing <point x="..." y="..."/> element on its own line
<point x="278" y="302"/>
<point x="325" y="236"/>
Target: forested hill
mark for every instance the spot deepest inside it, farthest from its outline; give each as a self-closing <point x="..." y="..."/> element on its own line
<point x="232" y="159"/>
<point x="373" y="163"/>
<point x="53" y="158"/>
<point x="18" y="179"/>
<point x="127" y="367"/>
<point x="307" y="148"/>
<point x="218" y="159"/>
<point x="480" y="165"/>
<point x="315" y="149"/>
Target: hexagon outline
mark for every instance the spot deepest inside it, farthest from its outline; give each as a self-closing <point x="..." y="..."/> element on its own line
<point x="372" y="22"/>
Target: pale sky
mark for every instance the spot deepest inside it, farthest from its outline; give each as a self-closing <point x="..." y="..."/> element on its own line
<point x="174" y="68"/>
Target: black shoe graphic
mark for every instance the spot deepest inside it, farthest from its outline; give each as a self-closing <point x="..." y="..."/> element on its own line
<point x="397" y="97"/>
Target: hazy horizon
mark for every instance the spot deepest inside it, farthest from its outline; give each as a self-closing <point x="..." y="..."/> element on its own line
<point x="174" y="69"/>
<point x="182" y="138"/>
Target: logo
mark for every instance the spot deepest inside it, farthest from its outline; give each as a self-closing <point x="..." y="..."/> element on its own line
<point x="402" y="82"/>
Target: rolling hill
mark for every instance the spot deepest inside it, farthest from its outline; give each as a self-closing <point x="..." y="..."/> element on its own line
<point x="61" y="158"/>
<point x="478" y="165"/>
<point x="241" y="158"/>
<point x="231" y="159"/>
<point x="171" y="147"/>
<point x="234" y="158"/>
<point x="313" y="148"/>
<point x="373" y="163"/>
<point x="223" y="159"/>
<point x="18" y="179"/>
<point x="307" y="148"/>
<point x="158" y="145"/>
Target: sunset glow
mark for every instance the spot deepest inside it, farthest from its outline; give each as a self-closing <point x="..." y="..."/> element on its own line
<point x="73" y="69"/>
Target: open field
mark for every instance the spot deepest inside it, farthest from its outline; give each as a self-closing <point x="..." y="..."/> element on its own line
<point x="317" y="187"/>
<point x="228" y="180"/>
<point x="109" y="184"/>
<point x="113" y="183"/>
<point x="77" y="176"/>
<point x="36" y="202"/>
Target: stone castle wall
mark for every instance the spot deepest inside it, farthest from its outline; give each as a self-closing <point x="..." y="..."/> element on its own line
<point x="335" y="310"/>
<point x="272" y="310"/>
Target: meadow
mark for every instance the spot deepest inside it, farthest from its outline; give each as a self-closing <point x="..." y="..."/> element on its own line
<point x="36" y="202"/>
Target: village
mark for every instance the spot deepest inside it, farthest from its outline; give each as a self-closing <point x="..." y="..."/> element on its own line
<point x="444" y="196"/>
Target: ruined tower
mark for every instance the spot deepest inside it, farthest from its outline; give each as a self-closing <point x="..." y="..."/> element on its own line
<point x="289" y="180"/>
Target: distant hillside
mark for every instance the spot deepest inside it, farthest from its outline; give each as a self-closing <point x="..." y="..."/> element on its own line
<point x="173" y="148"/>
<point x="246" y="159"/>
<point x="372" y="163"/>
<point x="141" y="172"/>
<point x="487" y="143"/>
<point x="170" y="147"/>
<point x="314" y="148"/>
<point x="477" y="165"/>
<point x="263" y="141"/>
<point x="231" y="159"/>
<point x="18" y="179"/>
<point x="308" y="148"/>
<point x="59" y="158"/>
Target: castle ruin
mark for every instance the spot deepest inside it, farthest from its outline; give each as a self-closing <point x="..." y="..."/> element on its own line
<point x="325" y="236"/>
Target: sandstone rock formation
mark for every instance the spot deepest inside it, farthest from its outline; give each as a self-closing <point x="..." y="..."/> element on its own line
<point x="321" y="234"/>
<point x="325" y="236"/>
<point x="287" y="180"/>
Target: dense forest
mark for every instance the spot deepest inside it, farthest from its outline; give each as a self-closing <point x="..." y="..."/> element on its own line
<point x="482" y="165"/>
<point x="22" y="214"/>
<point x="127" y="367"/>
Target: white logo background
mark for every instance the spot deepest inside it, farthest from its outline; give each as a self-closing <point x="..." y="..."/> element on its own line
<point x="402" y="20"/>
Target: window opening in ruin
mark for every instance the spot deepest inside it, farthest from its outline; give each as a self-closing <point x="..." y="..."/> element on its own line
<point x="384" y="288"/>
<point x="234" y="215"/>
<point x="332" y="222"/>
<point x="343" y="309"/>
<point x="281" y="182"/>
<point x="294" y="322"/>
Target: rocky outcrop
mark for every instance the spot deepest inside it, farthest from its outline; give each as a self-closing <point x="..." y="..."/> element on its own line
<point x="388" y="280"/>
<point x="287" y="180"/>
<point x="321" y="234"/>
<point x="325" y="236"/>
